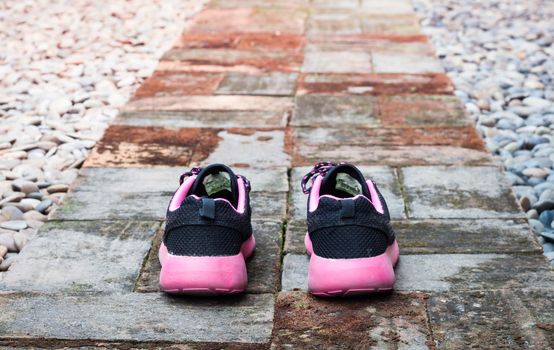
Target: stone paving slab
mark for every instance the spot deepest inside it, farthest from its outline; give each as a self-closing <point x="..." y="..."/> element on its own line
<point x="453" y="192"/>
<point x="249" y="20"/>
<point x="144" y="193"/>
<point x="263" y="41"/>
<point x="424" y="110"/>
<point x="394" y="321"/>
<point x="125" y="146"/>
<point x="170" y="83"/>
<point x="234" y="60"/>
<point x="271" y="84"/>
<point x="115" y="317"/>
<point x="444" y="272"/>
<point x="250" y="148"/>
<point x="392" y="155"/>
<point x="374" y="84"/>
<point x="208" y="111"/>
<point x="329" y="138"/>
<point x="131" y="146"/>
<point x="204" y="119"/>
<point x="96" y="205"/>
<point x="263" y="267"/>
<point x="166" y="179"/>
<point x="81" y="256"/>
<point x="444" y="236"/>
<point x="367" y="111"/>
<point x="385" y="178"/>
<point x="515" y="319"/>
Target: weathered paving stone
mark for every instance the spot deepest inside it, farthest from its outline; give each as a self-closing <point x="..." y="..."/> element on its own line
<point x="249" y="20"/>
<point x="99" y="205"/>
<point x="259" y="3"/>
<point x="329" y="110"/>
<point x="422" y="111"/>
<point x="263" y="267"/>
<point x="142" y="193"/>
<point x="128" y="146"/>
<point x="407" y="24"/>
<point x="444" y="236"/>
<point x="233" y="60"/>
<point x="443" y="272"/>
<point x="336" y="62"/>
<point x="273" y="84"/>
<point x="465" y="236"/>
<point x="458" y="192"/>
<point x="269" y="205"/>
<point x="324" y="138"/>
<point x="514" y="319"/>
<point x="166" y="179"/>
<point x="394" y="321"/>
<point x="208" y="111"/>
<point x="384" y="177"/>
<point x="242" y="41"/>
<point x="205" y="119"/>
<point x="81" y="256"/>
<point x="389" y="62"/>
<point x="331" y="24"/>
<point x="124" y="146"/>
<point x="336" y="4"/>
<point x="250" y="148"/>
<point x="294" y="236"/>
<point x="392" y="155"/>
<point x="166" y="83"/>
<point x="115" y="317"/>
<point x="387" y="8"/>
<point x="375" y="84"/>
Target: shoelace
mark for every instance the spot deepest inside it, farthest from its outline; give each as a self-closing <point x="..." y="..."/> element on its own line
<point x="197" y="170"/>
<point x="319" y="168"/>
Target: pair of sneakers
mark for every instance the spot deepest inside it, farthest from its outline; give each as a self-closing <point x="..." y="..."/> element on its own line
<point x="208" y="233"/>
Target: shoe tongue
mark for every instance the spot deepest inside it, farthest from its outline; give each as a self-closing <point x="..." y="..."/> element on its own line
<point x="344" y="181"/>
<point x="216" y="181"/>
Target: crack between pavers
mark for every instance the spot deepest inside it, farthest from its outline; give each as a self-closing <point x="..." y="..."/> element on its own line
<point x="56" y="343"/>
<point x="400" y="177"/>
<point x="145" y="259"/>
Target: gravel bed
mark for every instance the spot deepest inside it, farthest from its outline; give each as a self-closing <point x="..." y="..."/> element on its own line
<point x="500" y="56"/>
<point x="65" y="69"/>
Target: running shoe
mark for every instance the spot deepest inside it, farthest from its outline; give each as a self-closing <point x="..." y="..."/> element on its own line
<point x="352" y="247"/>
<point x="208" y="233"/>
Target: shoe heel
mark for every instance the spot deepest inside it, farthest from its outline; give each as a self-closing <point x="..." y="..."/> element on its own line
<point x="336" y="277"/>
<point x="201" y="275"/>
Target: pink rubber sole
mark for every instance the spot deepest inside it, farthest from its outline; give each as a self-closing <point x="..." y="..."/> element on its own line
<point x="205" y="275"/>
<point x="341" y="277"/>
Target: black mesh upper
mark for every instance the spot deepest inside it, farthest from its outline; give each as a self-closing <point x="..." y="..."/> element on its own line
<point x="348" y="242"/>
<point x="365" y="234"/>
<point x="188" y="233"/>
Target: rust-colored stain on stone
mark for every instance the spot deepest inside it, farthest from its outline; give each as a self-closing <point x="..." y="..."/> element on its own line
<point x="376" y="84"/>
<point x="242" y="41"/>
<point x="125" y="146"/>
<point x="163" y="83"/>
<point x="381" y="321"/>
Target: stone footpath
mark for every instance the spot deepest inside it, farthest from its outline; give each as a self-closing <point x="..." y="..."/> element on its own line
<point x="271" y="87"/>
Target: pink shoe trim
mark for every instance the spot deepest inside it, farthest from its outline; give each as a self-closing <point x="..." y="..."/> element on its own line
<point x="181" y="193"/>
<point x="334" y="277"/>
<point x="375" y="197"/>
<point x="205" y="274"/>
<point x="314" y="193"/>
